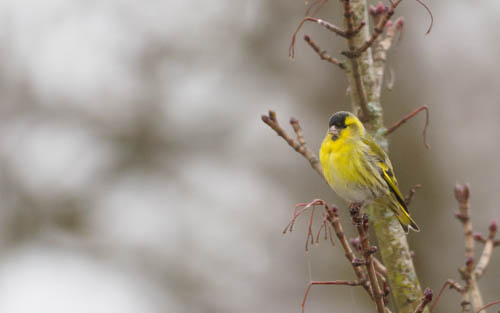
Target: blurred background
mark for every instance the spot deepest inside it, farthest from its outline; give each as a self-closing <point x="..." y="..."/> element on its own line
<point x="137" y="176"/>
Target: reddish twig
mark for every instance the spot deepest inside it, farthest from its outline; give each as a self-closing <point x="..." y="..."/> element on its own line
<point x="377" y="30"/>
<point x="411" y="193"/>
<point x="488" y="305"/>
<point x="409" y="116"/>
<point x="319" y="3"/>
<point x="361" y="223"/>
<point x="449" y="283"/>
<point x="332" y="217"/>
<point x="322" y="53"/>
<point x="424" y="301"/>
<point x="300" y="145"/>
<point x="337" y="30"/>
<point x="328" y="232"/>
<point x="303" y="207"/>
<point x="430" y="14"/>
<point x="335" y="282"/>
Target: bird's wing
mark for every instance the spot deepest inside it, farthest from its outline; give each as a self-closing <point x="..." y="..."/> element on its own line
<point x="384" y="166"/>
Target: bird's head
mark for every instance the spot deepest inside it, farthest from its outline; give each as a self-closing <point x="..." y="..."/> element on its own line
<point x="345" y="125"/>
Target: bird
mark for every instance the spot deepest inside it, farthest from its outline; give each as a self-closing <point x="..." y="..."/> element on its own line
<point x="358" y="170"/>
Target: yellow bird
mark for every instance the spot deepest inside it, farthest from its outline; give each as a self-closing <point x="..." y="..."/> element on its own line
<point x="358" y="169"/>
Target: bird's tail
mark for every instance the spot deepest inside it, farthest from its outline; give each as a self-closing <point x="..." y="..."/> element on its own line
<point x="403" y="217"/>
<point x="401" y="214"/>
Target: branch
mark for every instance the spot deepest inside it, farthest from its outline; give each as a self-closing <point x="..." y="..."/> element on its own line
<point x="377" y="30"/>
<point x="488" y="305"/>
<point x="364" y="114"/>
<point x="300" y="145"/>
<point x="382" y="45"/>
<point x="452" y="285"/>
<point x="379" y="267"/>
<point x="333" y="218"/>
<point x="462" y="195"/>
<point x="335" y="282"/>
<point x="322" y="53"/>
<point x="320" y="4"/>
<point x="361" y="223"/>
<point x="424" y="301"/>
<point x="487" y="250"/>
<point x="430" y="14"/>
<point x="335" y="29"/>
<point x="409" y="116"/>
<point x="411" y="193"/>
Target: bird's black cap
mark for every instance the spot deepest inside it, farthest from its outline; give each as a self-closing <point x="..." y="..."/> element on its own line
<point x="338" y="119"/>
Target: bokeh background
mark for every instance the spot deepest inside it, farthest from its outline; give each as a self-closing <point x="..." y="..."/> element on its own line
<point x="137" y="176"/>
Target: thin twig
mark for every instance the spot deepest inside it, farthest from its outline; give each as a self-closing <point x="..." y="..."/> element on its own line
<point x="335" y="282"/>
<point x="320" y="4"/>
<point x="430" y="14"/>
<point x="301" y="146"/>
<point x="361" y="223"/>
<point x="334" y="220"/>
<point x="411" y="193"/>
<point x="449" y="283"/>
<point x="337" y="30"/>
<point x="424" y="301"/>
<point x="409" y="116"/>
<point x="303" y="207"/>
<point x="488" y="305"/>
<point x="322" y="53"/>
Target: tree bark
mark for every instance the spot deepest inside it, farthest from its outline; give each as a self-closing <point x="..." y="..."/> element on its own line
<point x="364" y="85"/>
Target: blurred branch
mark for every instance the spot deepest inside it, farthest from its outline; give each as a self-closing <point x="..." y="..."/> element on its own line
<point x="487" y="250"/>
<point x="472" y="291"/>
<point x="470" y="273"/>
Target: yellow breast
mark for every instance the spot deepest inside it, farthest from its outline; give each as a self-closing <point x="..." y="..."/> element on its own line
<point x="341" y="160"/>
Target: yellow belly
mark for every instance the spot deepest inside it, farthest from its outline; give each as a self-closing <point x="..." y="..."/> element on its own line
<point x="344" y="170"/>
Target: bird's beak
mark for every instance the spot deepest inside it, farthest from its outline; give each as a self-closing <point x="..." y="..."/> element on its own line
<point x="334" y="131"/>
